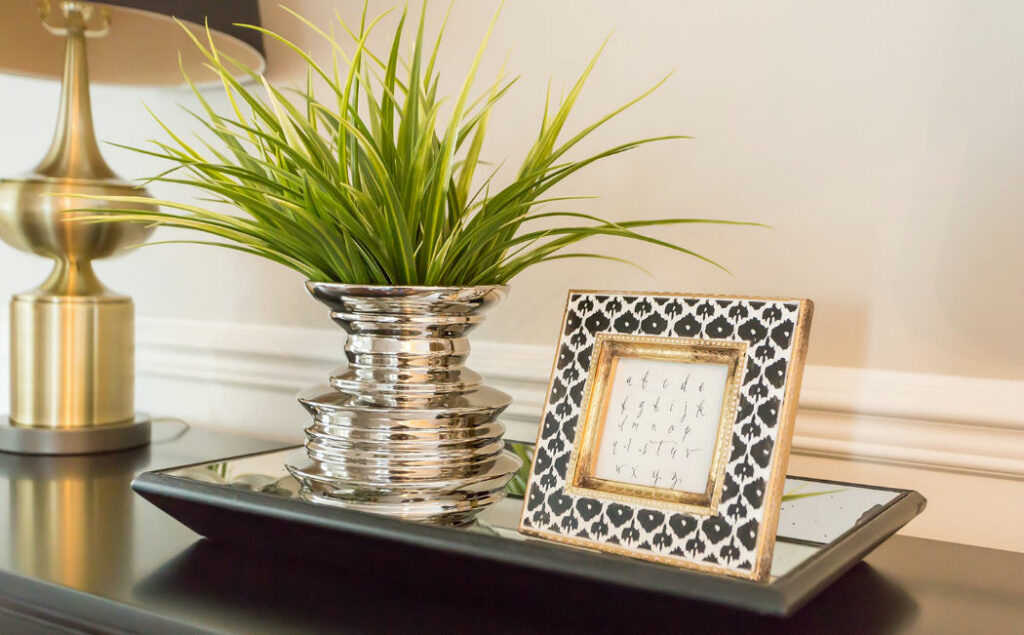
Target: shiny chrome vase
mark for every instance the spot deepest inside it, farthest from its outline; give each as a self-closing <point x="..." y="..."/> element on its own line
<point x="406" y="430"/>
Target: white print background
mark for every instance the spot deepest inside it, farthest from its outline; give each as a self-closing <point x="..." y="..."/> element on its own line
<point x="661" y="423"/>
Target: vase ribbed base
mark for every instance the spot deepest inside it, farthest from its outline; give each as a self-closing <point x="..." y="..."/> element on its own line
<point x="405" y="430"/>
<point x="445" y="502"/>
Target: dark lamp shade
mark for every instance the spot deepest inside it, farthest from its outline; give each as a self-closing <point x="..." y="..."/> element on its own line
<point x="143" y="45"/>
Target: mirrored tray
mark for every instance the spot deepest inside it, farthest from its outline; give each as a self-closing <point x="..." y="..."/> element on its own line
<point x="824" y="529"/>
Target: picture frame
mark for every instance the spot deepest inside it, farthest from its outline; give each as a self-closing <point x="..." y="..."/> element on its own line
<point x="667" y="427"/>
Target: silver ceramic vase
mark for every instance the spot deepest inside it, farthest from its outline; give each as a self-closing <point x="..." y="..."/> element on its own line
<point x="405" y="429"/>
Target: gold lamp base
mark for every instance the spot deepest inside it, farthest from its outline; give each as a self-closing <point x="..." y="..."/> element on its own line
<point x="72" y="373"/>
<point x="89" y="440"/>
<point x="71" y="359"/>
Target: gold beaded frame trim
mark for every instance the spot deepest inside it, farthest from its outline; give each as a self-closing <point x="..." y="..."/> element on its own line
<point x="731" y="534"/>
<point x="609" y="348"/>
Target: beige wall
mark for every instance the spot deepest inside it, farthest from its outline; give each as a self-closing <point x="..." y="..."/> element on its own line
<point x="883" y="141"/>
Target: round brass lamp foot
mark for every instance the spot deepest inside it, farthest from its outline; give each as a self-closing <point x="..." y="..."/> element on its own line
<point x="87" y="440"/>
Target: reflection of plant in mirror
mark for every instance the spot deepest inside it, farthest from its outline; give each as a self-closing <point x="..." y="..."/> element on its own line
<point x="373" y="185"/>
<point x="517" y="486"/>
<point x="220" y="469"/>
<point x="793" y="495"/>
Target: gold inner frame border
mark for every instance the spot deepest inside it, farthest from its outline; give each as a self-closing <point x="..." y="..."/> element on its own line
<point x="608" y="349"/>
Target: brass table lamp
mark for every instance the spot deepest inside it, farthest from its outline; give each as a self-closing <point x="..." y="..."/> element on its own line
<point x="72" y="338"/>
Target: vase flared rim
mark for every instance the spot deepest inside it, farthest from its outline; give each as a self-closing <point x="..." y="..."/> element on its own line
<point x="398" y="288"/>
<point x="407" y="299"/>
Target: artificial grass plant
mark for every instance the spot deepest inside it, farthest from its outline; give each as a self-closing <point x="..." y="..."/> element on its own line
<point x="373" y="185"/>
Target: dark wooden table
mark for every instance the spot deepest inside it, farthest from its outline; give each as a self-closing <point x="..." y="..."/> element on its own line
<point x="80" y="551"/>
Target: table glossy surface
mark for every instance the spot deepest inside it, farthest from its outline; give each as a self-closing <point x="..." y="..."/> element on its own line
<point x="79" y="550"/>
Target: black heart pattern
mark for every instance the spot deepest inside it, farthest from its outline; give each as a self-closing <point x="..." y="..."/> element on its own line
<point x="559" y="503"/>
<point x="682" y="525"/>
<point x="535" y="498"/>
<point x="782" y="334"/>
<point x="761" y="451"/>
<point x="626" y="323"/>
<point x="557" y="391"/>
<point x="597" y="322"/>
<point x="739" y="448"/>
<point x="768" y="412"/>
<point x="576" y="392"/>
<point x="753" y="372"/>
<point x="752" y="331"/>
<point x="715" y="528"/>
<point x="583" y="359"/>
<point x="565" y="356"/>
<point x="748" y="534"/>
<point x="561" y="463"/>
<point x="776" y="373"/>
<point x="687" y="326"/>
<point x="650" y="519"/>
<point x="720" y="328"/>
<point x="541" y="460"/>
<point x="745" y="409"/>
<point x="730" y="488"/>
<point x="588" y="508"/>
<point x="550" y="426"/>
<point x="653" y="324"/>
<point x="754" y="492"/>
<point x="619" y="514"/>
<point x="572" y="322"/>
<point x="569" y="429"/>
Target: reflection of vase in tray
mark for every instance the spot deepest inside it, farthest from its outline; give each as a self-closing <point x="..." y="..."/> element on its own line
<point x="406" y="430"/>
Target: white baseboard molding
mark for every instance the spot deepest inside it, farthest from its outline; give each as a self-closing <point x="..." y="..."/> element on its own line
<point x="934" y="422"/>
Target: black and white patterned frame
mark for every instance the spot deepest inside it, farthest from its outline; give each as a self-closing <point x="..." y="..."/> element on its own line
<point x="739" y="537"/>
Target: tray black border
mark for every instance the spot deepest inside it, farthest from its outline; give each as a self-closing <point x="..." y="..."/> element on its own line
<point x="217" y="512"/>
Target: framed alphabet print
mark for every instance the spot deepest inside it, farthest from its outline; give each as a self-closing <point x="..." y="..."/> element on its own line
<point x="667" y="428"/>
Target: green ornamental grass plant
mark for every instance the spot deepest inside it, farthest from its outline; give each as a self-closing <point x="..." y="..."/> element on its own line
<point x="375" y="185"/>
